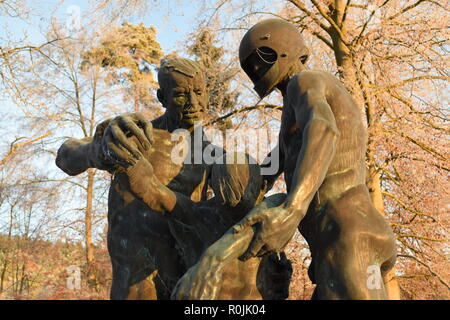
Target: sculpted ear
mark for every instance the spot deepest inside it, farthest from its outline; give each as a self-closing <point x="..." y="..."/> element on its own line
<point x="160" y="95"/>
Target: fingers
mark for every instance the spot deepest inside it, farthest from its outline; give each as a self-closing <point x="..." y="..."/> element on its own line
<point x="116" y="143"/>
<point x="146" y="126"/>
<point x="187" y="288"/>
<point x="114" y="135"/>
<point x="254" y="248"/>
<point x="117" y="153"/>
<point x="128" y="124"/>
<point x="246" y="222"/>
<point x="101" y="128"/>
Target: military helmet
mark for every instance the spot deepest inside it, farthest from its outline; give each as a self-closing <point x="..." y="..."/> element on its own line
<point x="268" y="50"/>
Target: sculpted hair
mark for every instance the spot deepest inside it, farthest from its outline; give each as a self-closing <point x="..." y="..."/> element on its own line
<point x="172" y="63"/>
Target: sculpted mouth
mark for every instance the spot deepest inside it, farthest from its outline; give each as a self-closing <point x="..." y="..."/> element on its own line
<point x="191" y="115"/>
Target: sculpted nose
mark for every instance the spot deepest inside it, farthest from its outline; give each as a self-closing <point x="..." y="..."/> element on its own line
<point x="193" y="99"/>
<point x="192" y="103"/>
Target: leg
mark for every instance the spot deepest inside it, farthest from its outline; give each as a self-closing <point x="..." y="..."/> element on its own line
<point x="120" y="280"/>
<point x="344" y="271"/>
<point x="146" y="264"/>
<point x="144" y="290"/>
<point x="352" y="247"/>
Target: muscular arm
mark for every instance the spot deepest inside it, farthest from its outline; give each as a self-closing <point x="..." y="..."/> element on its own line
<point x="108" y="148"/>
<point x="318" y="140"/>
<point x="204" y="279"/>
<point x="313" y="115"/>
<point x="77" y="155"/>
<point x="157" y="196"/>
<point x="146" y="185"/>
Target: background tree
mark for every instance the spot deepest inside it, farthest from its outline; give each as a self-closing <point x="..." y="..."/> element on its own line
<point x="58" y="93"/>
<point x="66" y="94"/>
<point x="12" y="50"/>
<point x="128" y="53"/>
<point x="70" y="86"/>
<point x="391" y="54"/>
<point x="393" y="57"/>
<point x="219" y="74"/>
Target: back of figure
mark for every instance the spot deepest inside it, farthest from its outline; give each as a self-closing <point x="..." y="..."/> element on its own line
<point x="345" y="232"/>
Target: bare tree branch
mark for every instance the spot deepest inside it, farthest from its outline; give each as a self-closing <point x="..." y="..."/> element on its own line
<point x="16" y="147"/>
<point x="310" y="14"/>
<point x="245" y="109"/>
<point x="412" y="6"/>
<point x="428" y="267"/>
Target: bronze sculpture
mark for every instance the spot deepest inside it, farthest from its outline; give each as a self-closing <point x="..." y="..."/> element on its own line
<point x="238" y="187"/>
<point x="145" y="260"/>
<point x="322" y="146"/>
<point x="149" y="253"/>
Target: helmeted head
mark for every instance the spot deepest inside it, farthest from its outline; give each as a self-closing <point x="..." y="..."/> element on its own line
<point x="182" y="90"/>
<point x="268" y="52"/>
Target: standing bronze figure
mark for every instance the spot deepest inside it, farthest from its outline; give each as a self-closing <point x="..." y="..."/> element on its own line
<point x="159" y="221"/>
<point x="322" y="145"/>
<point x="145" y="258"/>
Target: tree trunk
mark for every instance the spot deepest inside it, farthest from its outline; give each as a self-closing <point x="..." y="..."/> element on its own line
<point x="3" y="273"/>
<point x="349" y="76"/>
<point x="374" y="185"/>
<point x="22" y="279"/>
<point x="88" y="228"/>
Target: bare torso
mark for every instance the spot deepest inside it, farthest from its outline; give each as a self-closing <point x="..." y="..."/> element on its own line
<point x="140" y="240"/>
<point x="346" y="234"/>
<point x="348" y="167"/>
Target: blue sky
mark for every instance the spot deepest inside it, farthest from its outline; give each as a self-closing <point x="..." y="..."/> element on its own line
<point x="173" y="20"/>
<point x="173" y="24"/>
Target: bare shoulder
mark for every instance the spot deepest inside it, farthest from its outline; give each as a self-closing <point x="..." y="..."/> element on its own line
<point x="307" y="80"/>
<point x="307" y="85"/>
<point x="313" y="80"/>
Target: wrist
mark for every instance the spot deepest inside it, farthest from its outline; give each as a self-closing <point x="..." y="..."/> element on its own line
<point x="96" y="156"/>
<point x="142" y="168"/>
<point x="295" y="212"/>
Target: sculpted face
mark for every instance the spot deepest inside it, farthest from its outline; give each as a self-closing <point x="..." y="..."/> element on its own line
<point x="184" y="97"/>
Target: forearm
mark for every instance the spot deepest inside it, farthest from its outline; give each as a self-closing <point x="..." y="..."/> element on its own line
<point x="146" y="185"/>
<point x="205" y="279"/>
<point x="77" y="155"/>
<point x="272" y="166"/>
<point x="318" y="148"/>
<point x="230" y="246"/>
